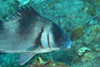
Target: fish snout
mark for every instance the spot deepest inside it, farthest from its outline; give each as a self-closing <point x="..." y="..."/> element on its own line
<point x="67" y="45"/>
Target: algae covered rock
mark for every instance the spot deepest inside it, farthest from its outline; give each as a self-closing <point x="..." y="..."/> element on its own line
<point x="77" y="33"/>
<point x="90" y="6"/>
<point x="95" y="28"/>
<point x="48" y="63"/>
<point x="87" y="57"/>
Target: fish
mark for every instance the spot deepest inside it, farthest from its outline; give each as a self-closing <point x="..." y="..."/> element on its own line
<point x="29" y="33"/>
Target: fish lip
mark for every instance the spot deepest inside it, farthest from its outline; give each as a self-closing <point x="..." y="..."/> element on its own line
<point x="67" y="45"/>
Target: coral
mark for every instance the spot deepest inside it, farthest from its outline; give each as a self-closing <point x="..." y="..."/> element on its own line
<point x="35" y="65"/>
<point x="91" y="11"/>
<point x="48" y="63"/>
<point x="40" y="60"/>
<point x="95" y="28"/>
<point x="83" y="50"/>
<point x="7" y="8"/>
<point x="57" y="56"/>
<point x="42" y="65"/>
<point x="77" y="33"/>
<point x="97" y="47"/>
<point x="91" y="6"/>
<point x="93" y="63"/>
<point x="87" y="57"/>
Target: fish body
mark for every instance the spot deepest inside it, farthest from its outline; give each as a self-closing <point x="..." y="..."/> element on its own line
<point x="28" y="33"/>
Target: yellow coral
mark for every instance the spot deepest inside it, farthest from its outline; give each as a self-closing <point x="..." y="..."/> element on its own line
<point x="40" y="60"/>
<point x="46" y="64"/>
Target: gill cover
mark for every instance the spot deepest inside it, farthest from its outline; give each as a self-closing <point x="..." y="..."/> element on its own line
<point x="60" y="38"/>
<point x="47" y="40"/>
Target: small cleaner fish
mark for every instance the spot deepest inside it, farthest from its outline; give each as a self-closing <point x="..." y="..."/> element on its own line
<point x="29" y="33"/>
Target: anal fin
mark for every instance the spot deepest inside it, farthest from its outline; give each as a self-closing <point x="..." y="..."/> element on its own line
<point x="25" y="57"/>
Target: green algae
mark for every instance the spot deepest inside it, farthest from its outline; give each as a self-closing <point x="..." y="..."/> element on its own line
<point x="92" y="10"/>
<point x="77" y="33"/>
<point x="95" y="28"/>
<point x="51" y="4"/>
<point x="91" y="6"/>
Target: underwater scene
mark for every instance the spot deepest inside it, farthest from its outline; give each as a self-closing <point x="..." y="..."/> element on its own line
<point x="49" y="33"/>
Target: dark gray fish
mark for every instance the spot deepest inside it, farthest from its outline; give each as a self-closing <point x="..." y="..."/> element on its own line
<point x="28" y="33"/>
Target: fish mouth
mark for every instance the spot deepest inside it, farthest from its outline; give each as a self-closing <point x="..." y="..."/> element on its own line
<point x="67" y="45"/>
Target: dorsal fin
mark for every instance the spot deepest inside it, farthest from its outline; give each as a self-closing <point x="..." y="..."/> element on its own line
<point x="25" y="12"/>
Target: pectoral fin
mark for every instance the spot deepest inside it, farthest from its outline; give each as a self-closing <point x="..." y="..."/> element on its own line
<point x="25" y="57"/>
<point x="32" y="48"/>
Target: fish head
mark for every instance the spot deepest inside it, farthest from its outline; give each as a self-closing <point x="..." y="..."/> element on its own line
<point x="62" y="41"/>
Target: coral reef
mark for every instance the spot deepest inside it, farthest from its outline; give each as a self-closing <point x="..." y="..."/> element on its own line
<point x="95" y="28"/>
<point x="87" y="57"/>
<point x="97" y="47"/>
<point x="92" y="63"/>
<point x="48" y="63"/>
<point x="7" y="8"/>
<point x="94" y="4"/>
